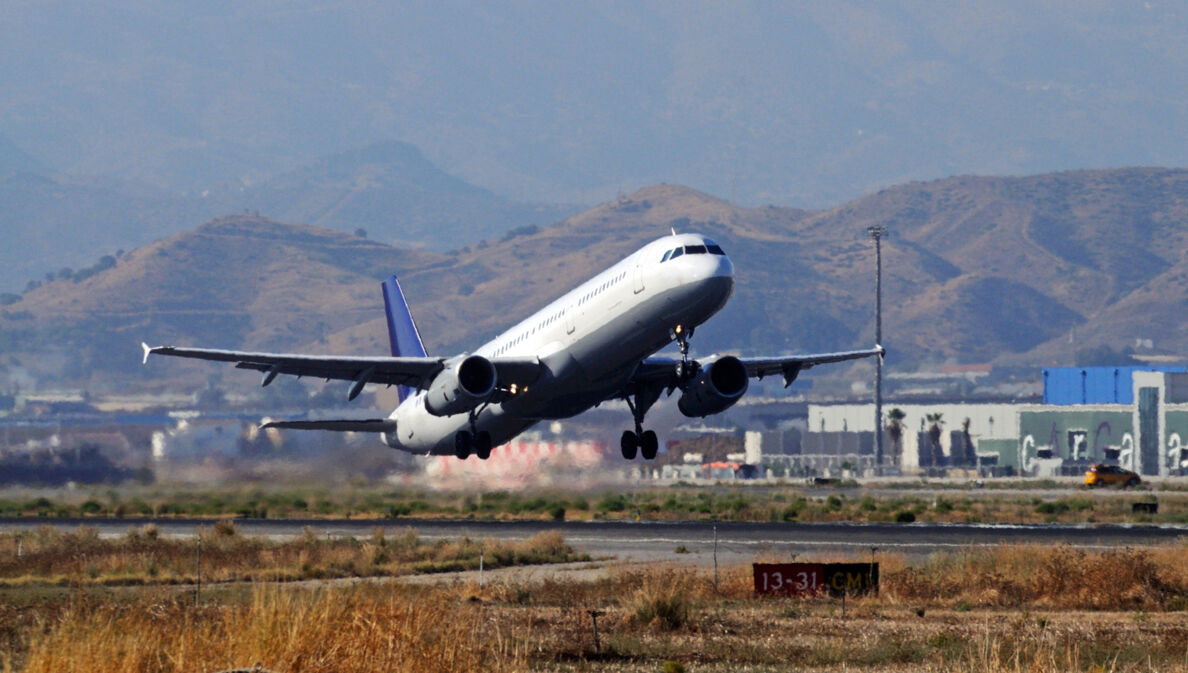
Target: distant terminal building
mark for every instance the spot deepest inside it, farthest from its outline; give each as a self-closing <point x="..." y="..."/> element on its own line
<point x="1136" y="417"/>
<point x="970" y="435"/>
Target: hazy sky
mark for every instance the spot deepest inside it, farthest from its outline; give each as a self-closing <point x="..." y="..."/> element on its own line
<point x="806" y="104"/>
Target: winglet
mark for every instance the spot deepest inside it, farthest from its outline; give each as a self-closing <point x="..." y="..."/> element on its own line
<point x="147" y="351"/>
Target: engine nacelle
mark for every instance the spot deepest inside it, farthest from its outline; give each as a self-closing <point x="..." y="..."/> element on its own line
<point x="461" y="386"/>
<point x="716" y="387"/>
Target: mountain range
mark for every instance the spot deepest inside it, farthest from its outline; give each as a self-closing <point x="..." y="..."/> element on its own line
<point x="1024" y="271"/>
<point x="55" y="222"/>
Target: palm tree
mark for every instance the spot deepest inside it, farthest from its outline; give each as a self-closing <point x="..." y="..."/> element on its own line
<point x="971" y="457"/>
<point x="934" y="436"/>
<point x="895" y="430"/>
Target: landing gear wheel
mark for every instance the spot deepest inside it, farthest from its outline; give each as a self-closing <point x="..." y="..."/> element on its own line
<point x="482" y="445"/>
<point x="629" y="443"/>
<point x="462" y="445"/>
<point x="648" y="445"/>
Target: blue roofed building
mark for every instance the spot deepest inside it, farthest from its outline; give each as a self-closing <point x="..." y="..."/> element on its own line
<point x="1065" y="386"/>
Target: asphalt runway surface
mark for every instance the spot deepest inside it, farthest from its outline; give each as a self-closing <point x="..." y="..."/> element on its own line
<point x="659" y="541"/>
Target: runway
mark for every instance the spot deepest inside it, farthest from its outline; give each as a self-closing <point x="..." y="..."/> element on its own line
<point x="652" y="541"/>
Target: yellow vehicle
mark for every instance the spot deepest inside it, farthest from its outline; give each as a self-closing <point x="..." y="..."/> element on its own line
<point x="1110" y="475"/>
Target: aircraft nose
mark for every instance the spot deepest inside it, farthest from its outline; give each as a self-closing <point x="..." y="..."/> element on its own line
<point x="725" y="267"/>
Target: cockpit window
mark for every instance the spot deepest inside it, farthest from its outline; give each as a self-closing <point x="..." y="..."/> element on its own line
<point x="695" y="249"/>
<point x="665" y="257"/>
<point x="713" y="248"/>
<point x="677" y="253"/>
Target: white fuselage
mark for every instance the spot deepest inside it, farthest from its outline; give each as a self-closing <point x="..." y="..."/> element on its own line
<point x="590" y="341"/>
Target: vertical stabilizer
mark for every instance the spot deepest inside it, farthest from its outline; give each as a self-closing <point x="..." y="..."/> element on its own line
<point x="403" y="336"/>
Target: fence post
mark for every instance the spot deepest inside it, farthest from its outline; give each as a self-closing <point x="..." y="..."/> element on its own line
<point x="198" y="585"/>
<point x="594" y="614"/>
<point x="715" y="558"/>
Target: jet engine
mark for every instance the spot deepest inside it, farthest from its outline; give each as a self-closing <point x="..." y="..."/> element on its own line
<point x="716" y="387"/>
<point x="461" y="386"/>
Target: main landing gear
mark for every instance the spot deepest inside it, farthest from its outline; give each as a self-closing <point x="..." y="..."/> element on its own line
<point x="645" y="441"/>
<point x="641" y="440"/>
<point x="465" y="442"/>
<point x="475" y="440"/>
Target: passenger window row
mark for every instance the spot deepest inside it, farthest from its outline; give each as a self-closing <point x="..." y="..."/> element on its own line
<point x="602" y="288"/>
<point x="558" y="315"/>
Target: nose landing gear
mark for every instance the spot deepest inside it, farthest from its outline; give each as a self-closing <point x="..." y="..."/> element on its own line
<point x="643" y="441"/>
<point x="684" y="369"/>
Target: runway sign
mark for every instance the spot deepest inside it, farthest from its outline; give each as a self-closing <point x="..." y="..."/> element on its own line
<point x="813" y="579"/>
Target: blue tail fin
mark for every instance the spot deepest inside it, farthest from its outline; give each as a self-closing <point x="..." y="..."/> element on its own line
<point x="402" y="331"/>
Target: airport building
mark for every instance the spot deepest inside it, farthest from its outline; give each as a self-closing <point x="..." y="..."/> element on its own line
<point x="1136" y="417"/>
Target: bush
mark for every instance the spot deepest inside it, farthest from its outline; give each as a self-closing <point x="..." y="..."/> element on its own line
<point x="1051" y="507"/>
<point x="661" y="606"/>
<point x="612" y="503"/>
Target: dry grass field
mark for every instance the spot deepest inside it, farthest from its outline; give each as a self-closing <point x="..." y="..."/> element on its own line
<point x="1010" y="609"/>
<point x="81" y="557"/>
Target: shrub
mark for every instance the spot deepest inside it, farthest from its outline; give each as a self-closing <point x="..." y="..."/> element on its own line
<point x="612" y="503"/>
<point x="225" y="528"/>
<point x="664" y="599"/>
<point x="1051" y="507"/>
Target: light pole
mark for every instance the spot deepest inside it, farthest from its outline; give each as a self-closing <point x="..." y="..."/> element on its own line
<point x="877" y="232"/>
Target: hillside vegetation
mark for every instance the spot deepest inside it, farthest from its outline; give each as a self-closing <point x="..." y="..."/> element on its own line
<point x="1013" y="270"/>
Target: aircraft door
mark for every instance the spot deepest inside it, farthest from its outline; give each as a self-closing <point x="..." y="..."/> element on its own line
<point x="569" y="318"/>
<point x="639" y="279"/>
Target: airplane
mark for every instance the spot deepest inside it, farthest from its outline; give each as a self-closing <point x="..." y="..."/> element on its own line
<point x="596" y="343"/>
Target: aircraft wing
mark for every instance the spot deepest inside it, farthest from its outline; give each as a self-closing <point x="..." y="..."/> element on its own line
<point x="661" y="371"/>
<point x="789" y="366"/>
<point x="363" y="425"/>
<point x="416" y="372"/>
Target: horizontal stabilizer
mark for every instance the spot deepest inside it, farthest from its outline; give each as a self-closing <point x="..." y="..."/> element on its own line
<point x="357" y="425"/>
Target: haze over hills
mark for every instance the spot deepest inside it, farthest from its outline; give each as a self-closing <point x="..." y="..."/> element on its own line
<point x="53" y="221"/>
<point x="400" y="198"/>
<point x="805" y="104"/>
<point x="976" y="270"/>
<point x="15" y="160"/>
